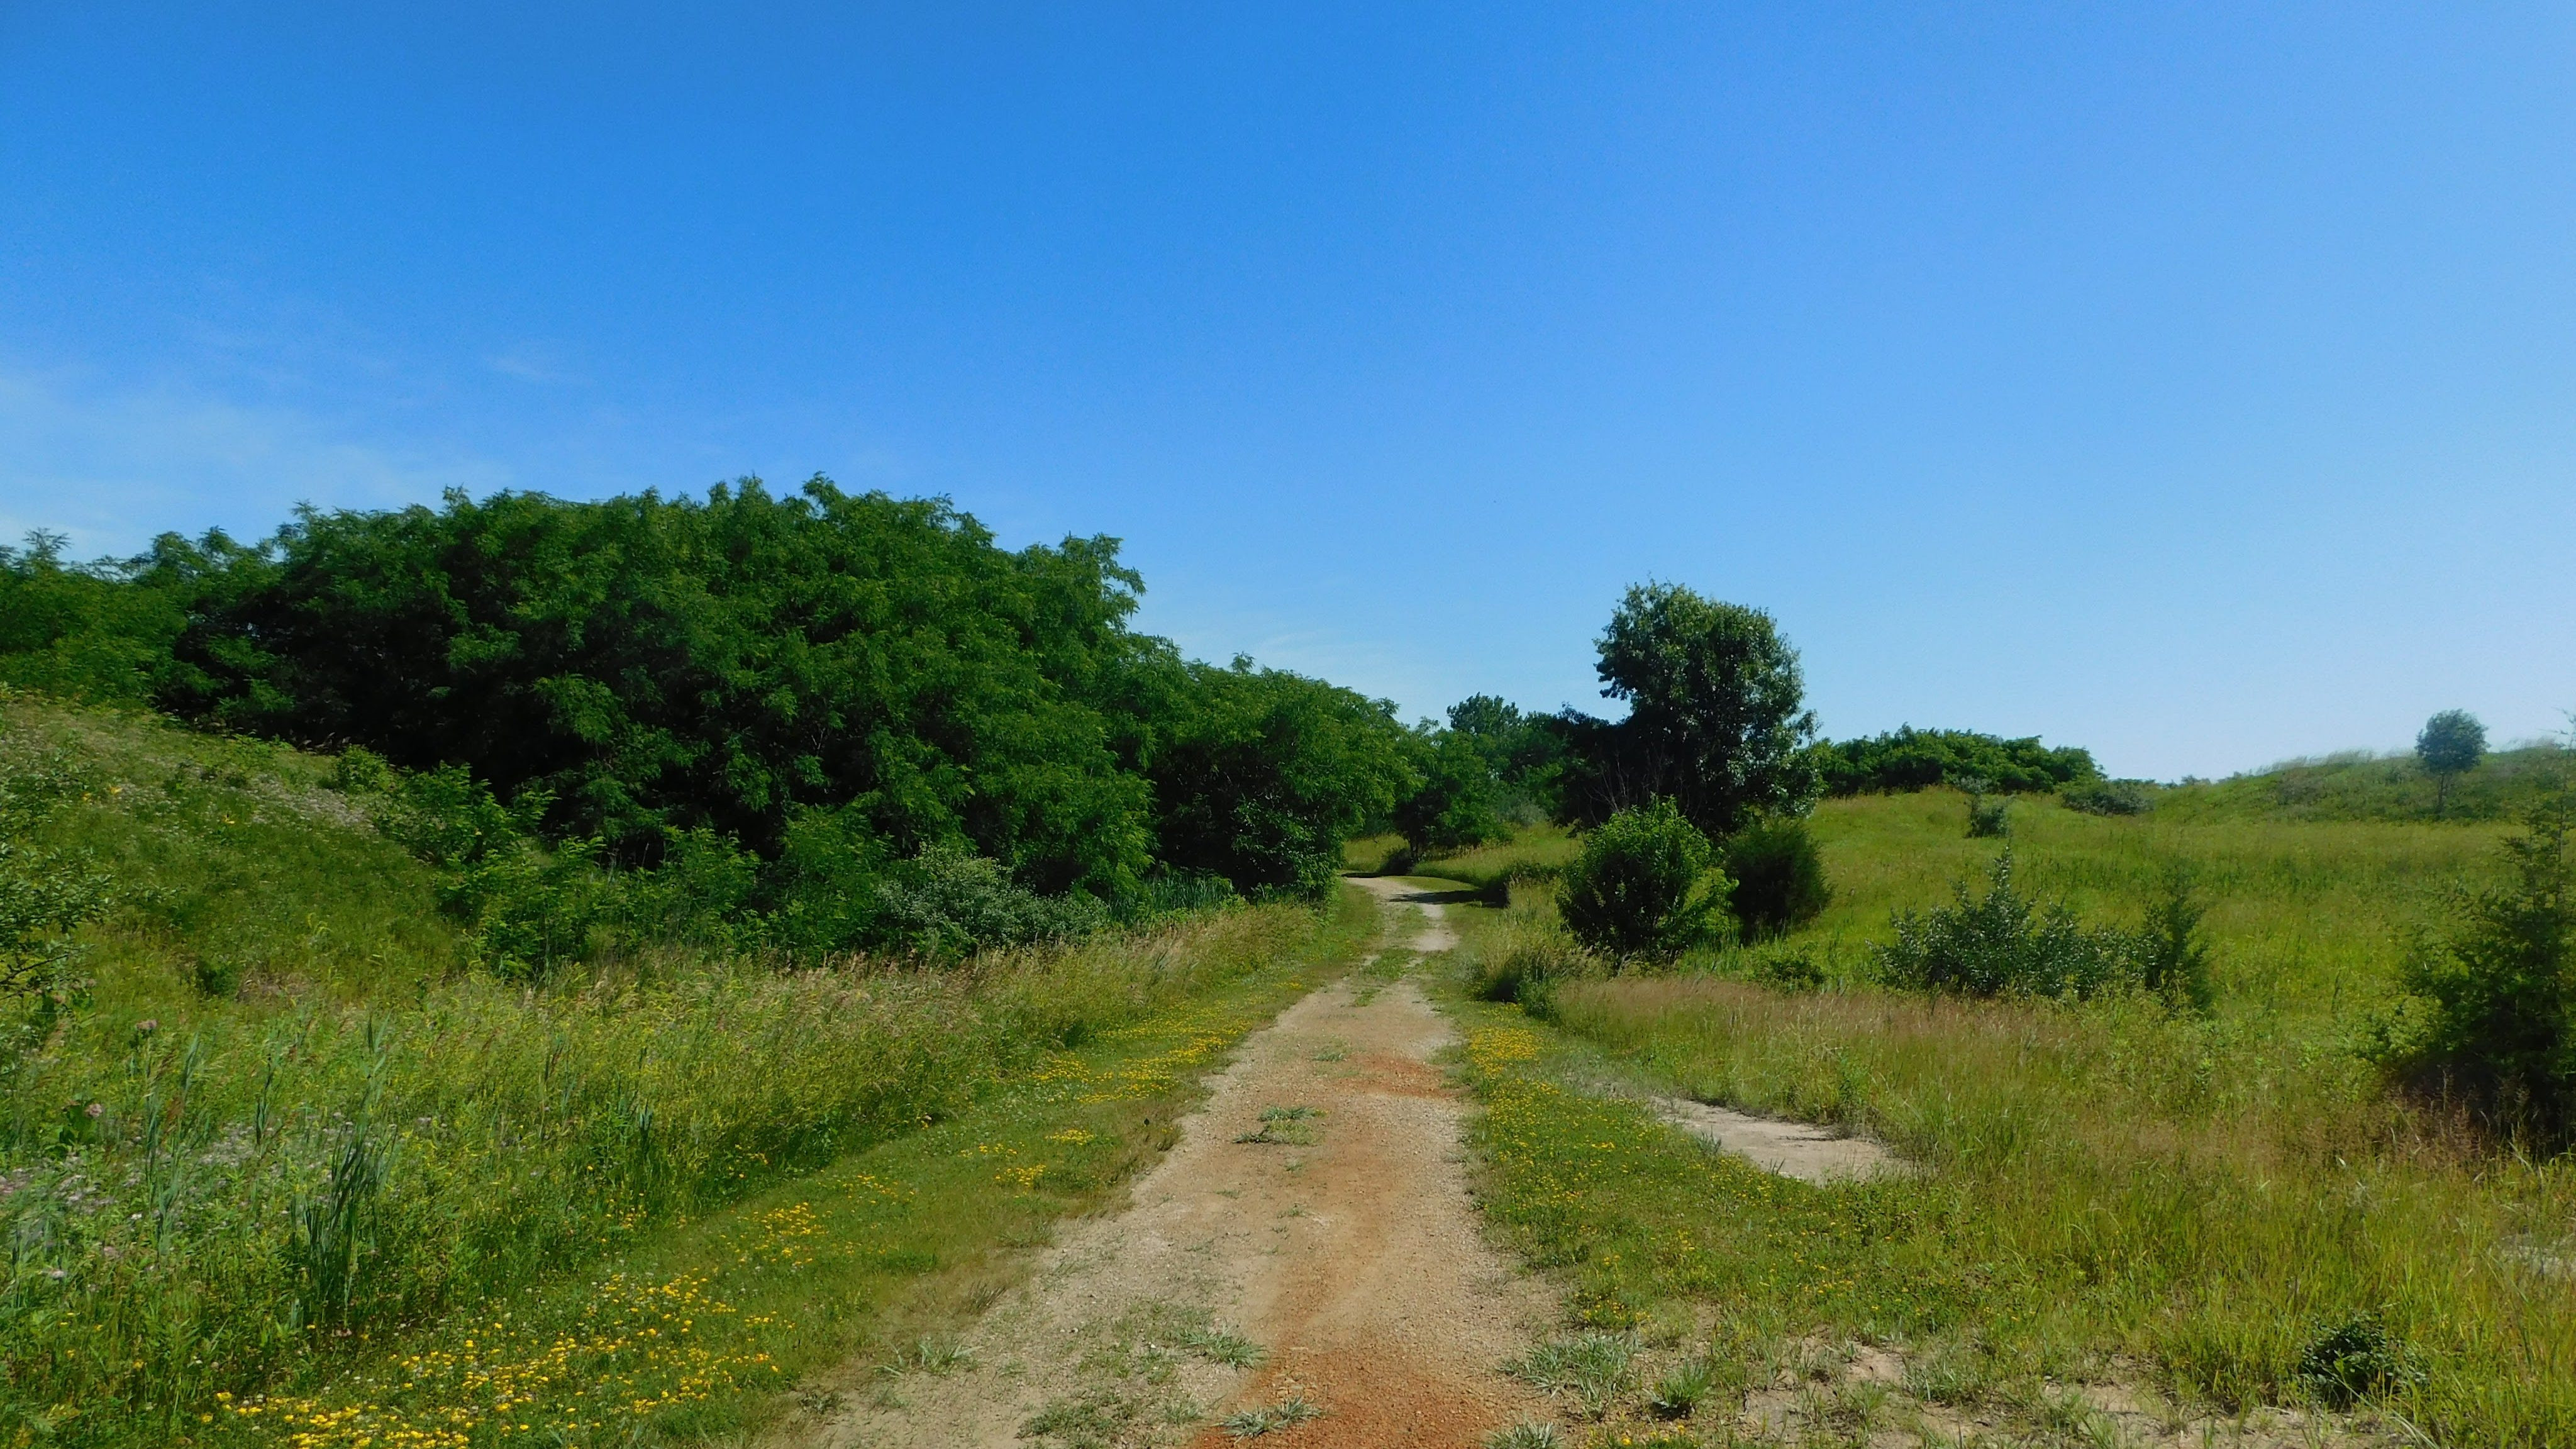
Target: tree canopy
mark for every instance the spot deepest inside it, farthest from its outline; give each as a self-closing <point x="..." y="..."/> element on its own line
<point x="1717" y="719"/>
<point x="642" y="667"/>
<point x="1912" y="759"/>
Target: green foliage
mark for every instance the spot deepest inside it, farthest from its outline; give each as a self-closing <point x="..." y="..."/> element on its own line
<point x="1989" y="816"/>
<point x="2357" y="1359"/>
<point x="2169" y="954"/>
<point x="660" y="665"/>
<point x="1716" y="713"/>
<point x="2109" y="797"/>
<point x="1779" y="877"/>
<point x="1912" y="759"/>
<point x="1526" y="753"/>
<point x="2500" y="987"/>
<point x="642" y="676"/>
<point x="1455" y="807"/>
<point x="950" y="902"/>
<point x="1261" y="775"/>
<point x="2450" y="745"/>
<point x="1643" y="887"/>
<point x="79" y="631"/>
<point x="1999" y="944"/>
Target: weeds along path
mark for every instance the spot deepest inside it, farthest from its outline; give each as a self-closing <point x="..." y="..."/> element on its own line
<point x="1308" y="1245"/>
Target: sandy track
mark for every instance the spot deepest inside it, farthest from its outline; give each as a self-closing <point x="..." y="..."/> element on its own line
<point x="1345" y="1246"/>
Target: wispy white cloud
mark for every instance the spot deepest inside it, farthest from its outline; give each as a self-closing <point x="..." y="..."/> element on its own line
<point x="111" y="468"/>
<point x="536" y="365"/>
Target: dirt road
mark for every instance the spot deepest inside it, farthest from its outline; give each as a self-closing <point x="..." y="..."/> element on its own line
<point x="1316" y="1207"/>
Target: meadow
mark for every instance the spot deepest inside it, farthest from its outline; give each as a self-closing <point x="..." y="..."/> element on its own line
<point x="279" y="1166"/>
<point x="2217" y="1211"/>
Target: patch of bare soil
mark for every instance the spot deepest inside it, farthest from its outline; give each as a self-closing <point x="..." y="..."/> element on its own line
<point x="1792" y="1149"/>
<point x="1308" y="1245"/>
<point x="1855" y="1394"/>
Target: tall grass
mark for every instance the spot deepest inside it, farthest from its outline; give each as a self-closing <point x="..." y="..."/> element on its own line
<point x="281" y="1120"/>
<point x="1532" y="853"/>
<point x="2210" y="1197"/>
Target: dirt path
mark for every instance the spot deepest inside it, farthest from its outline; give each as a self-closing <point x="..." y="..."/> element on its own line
<point x="1317" y="1207"/>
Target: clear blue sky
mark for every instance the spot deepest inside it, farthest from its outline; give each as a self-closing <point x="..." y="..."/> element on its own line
<point x="2193" y="383"/>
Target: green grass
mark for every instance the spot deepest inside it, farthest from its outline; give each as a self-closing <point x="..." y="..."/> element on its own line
<point x="2109" y="1189"/>
<point x="1532" y="850"/>
<point x="877" y="1251"/>
<point x="2310" y="919"/>
<point x="2360" y="786"/>
<point x="285" y="1127"/>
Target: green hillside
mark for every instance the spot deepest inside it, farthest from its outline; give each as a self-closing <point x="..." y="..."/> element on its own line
<point x="264" y="1115"/>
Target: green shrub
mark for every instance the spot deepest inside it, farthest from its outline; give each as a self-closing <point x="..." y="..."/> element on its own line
<point x="2001" y="945"/>
<point x="1787" y="970"/>
<point x="2170" y="958"/>
<point x="2109" y="797"/>
<point x="2500" y="987"/>
<point x="1643" y="887"/>
<point x="950" y="902"/>
<point x="2357" y="1359"/>
<point x="1989" y="817"/>
<point x="1779" y="877"/>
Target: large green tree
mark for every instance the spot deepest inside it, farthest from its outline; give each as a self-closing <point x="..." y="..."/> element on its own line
<point x="1260" y="775"/>
<point x="1717" y="720"/>
<point x="847" y="684"/>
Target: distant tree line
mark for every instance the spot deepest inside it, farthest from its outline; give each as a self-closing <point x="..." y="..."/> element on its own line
<point x="1912" y="759"/>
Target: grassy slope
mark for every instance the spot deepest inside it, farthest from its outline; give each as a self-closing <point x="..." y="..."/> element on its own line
<point x="2205" y="1197"/>
<point x="278" y="1012"/>
<point x="2362" y="787"/>
<point x="707" y="1327"/>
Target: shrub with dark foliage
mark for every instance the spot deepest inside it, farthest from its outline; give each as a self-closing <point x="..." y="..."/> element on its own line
<point x="1779" y="877"/>
<point x="2109" y="797"/>
<point x="2500" y="988"/>
<point x="1643" y="889"/>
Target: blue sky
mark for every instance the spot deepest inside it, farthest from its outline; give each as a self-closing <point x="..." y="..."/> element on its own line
<point x="2192" y="383"/>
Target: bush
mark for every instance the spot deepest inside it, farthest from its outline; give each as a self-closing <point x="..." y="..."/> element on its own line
<point x="2171" y="959"/>
<point x="2357" y="1359"/>
<point x="951" y="902"/>
<point x="2000" y="945"/>
<point x="1787" y="970"/>
<point x="1989" y="818"/>
<point x="2500" y="988"/>
<point x="2109" y="797"/>
<point x="1643" y="888"/>
<point x="1779" y="877"/>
